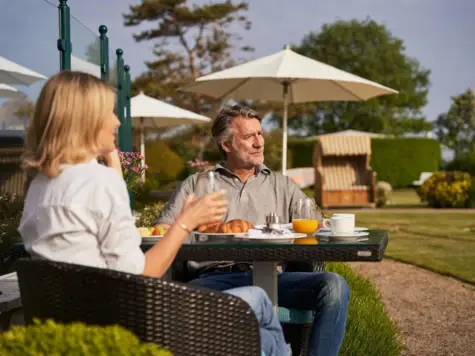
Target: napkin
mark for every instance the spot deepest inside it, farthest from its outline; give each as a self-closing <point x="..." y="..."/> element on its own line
<point x="254" y="233"/>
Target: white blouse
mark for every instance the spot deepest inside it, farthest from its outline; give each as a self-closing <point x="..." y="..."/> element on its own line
<point x="83" y="216"/>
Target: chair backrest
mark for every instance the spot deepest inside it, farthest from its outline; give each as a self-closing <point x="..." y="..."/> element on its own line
<point x="186" y="320"/>
<point x="343" y="172"/>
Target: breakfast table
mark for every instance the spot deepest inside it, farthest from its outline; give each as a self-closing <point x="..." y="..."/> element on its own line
<point x="266" y="256"/>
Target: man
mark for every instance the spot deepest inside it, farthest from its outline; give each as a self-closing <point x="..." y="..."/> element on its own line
<point x="253" y="191"/>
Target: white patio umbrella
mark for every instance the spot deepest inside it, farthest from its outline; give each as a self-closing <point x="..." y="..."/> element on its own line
<point x="82" y="65"/>
<point x="286" y="77"/>
<point x="14" y="74"/>
<point x="154" y="114"/>
<point x="9" y="92"/>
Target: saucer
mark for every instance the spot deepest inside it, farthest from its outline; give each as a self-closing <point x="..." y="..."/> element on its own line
<point x="357" y="229"/>
<point x="329" y="234"/>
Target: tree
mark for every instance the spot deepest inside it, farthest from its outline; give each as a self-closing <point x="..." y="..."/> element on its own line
<point x="456" y="128"/>
<point x="369" y="50"/>
<point x="191" y="40"/>
<point x="25" y="111"/>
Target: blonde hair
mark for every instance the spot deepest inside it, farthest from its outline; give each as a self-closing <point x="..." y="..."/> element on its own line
<point x="69" y="114"/>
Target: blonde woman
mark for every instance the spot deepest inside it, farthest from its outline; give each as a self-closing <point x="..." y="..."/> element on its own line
<point x="78" y="211"/>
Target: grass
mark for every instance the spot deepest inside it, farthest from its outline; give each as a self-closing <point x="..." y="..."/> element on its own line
<point x="440" y="242"/>
<point x="405" y="198"/>
<point x="369" y="330"/>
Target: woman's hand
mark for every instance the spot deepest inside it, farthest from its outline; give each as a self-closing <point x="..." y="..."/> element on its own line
<point x="208" y="209"/>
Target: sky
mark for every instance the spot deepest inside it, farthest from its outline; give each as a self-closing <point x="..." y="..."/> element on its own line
<point x="438" y="33"/>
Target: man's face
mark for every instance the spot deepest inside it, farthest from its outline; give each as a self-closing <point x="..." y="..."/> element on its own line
<point x="247" y="143"/>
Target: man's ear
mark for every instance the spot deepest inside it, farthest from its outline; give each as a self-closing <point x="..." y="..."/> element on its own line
<point x="226" y="146"/>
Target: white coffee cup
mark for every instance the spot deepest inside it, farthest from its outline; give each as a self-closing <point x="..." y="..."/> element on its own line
<point x="349" y="216"/>
<point x="341" y="224"/>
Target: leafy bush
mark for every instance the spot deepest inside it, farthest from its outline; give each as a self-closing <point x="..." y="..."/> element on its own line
<point x="74" y="339"/>
<point x="11" y="209"/>
<point x="446" y="190"/>
<point x="400" y="161"/>
<point x="383" y="193"/>
<point x="462" y="164"/>
<point x="471" y="194"/>
<point x="149" y="214"/>
<point x="163" y="163"/>
<point x="143" y="194"/>
<point x="369" y="330"/>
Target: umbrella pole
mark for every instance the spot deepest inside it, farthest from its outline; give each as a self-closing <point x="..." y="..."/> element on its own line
<point x="142" y="147"/>
<point x="285" y="86"/>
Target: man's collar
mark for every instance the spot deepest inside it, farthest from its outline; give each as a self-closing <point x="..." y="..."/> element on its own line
<point x="262" y="168"/>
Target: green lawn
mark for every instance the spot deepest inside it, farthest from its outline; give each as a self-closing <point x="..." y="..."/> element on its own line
<point x="369" y="330"/>
<point x="441" y="242"/>
<point x="405" y="197"/>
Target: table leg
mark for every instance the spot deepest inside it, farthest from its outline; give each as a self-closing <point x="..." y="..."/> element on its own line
<point x="264" y="275"/>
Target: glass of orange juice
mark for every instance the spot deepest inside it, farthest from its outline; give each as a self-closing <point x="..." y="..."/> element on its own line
<point x="304" y="218"/>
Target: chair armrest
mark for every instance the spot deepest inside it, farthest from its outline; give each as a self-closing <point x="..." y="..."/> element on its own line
<point x="186" y="320"/>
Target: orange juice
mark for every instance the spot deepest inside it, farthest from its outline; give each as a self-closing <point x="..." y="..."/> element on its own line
<point x="306" y="241"/>
<point x="305" y="226"/>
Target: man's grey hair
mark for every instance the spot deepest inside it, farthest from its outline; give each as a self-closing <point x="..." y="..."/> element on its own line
<point x="221" y="129"/>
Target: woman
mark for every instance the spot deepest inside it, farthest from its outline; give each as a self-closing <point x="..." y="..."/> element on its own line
<point x="78" y="211"/>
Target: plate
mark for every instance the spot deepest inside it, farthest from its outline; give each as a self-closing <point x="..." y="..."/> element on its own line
<point x="151" y="239"/>
<point x="274" y="239"/>
<point x="228" y="234"/>
<point x="354" y="235"/>
<point x="357" y="229"/>
<point x="282" y="226"/>
<point x="213" y="236"/>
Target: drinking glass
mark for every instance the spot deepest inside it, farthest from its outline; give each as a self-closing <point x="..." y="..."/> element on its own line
<point x="305" y="216"/>
<point x="207" y="183"/>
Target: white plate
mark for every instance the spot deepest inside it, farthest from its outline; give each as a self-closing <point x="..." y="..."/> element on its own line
<point x="274" y="239"/>
<point x="357" y="229"/>
<point x="354" y="235"/>
<point x="282" y="226"/>
<point x="152" y="239"/>
<point x="217" y="234"/>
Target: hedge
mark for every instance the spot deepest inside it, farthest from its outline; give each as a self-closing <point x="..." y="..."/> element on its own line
<point x="50" y="338"/>
<point x="398" y="161"/>
<point x="163" y="163"/>
<point x="300" y="152"/>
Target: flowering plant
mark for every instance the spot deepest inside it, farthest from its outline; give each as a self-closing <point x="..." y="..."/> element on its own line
<point x="132" y="169"/>
<point x="446" y="190"/>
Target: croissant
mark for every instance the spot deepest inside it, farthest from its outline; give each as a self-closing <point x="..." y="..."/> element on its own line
<point x="236" y="226"/>
<point x="210" y="228"/>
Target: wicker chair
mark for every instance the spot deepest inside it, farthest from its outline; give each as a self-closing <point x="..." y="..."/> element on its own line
<point x="185" y="320"/>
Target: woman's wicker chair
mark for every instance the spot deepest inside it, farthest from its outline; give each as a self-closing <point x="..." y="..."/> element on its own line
<point x="185" y="320"/>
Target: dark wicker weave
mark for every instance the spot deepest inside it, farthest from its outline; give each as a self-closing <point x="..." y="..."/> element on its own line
<point x="368" y="251"/>
<point x="185" y="320"/>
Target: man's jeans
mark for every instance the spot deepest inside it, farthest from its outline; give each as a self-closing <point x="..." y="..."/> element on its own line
<point x="325" y="293"/>
<point x="272" y="337"/>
